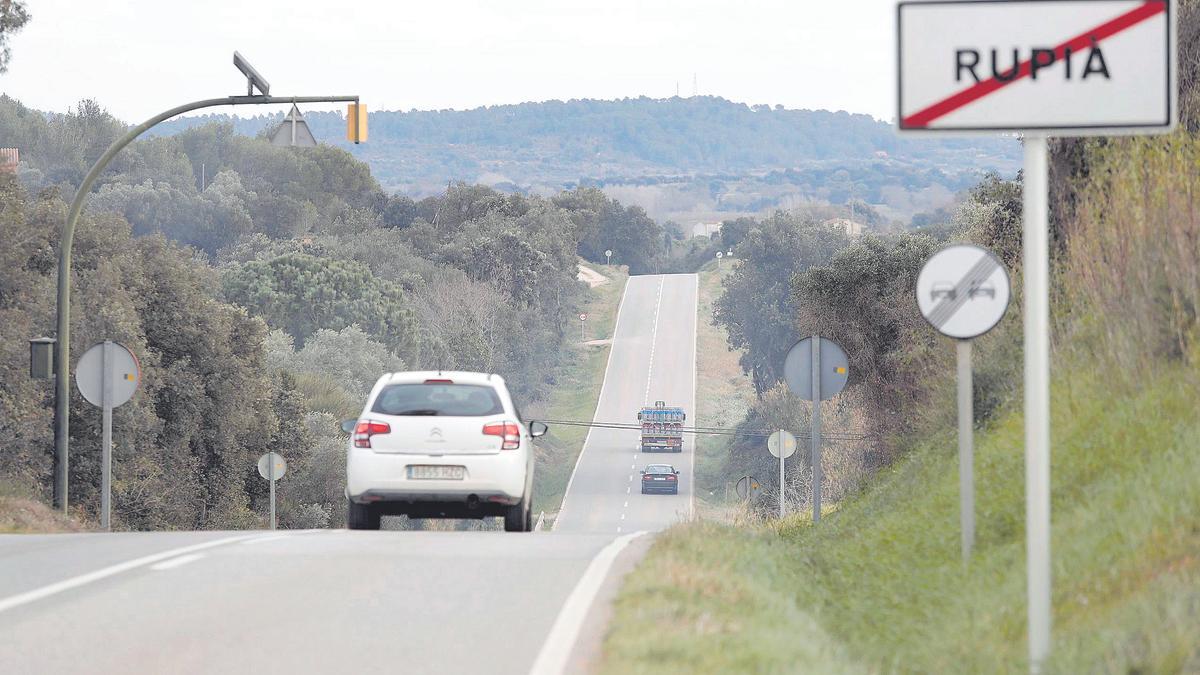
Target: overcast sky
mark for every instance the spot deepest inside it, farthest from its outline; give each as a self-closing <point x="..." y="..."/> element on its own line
<point x="139" y="57"/>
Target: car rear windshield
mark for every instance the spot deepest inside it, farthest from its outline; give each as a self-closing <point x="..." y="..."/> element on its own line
<point x="659" y="468"/>
<point x="446" y="400"/>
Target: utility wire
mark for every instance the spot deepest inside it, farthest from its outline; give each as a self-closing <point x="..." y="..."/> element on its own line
<point x="711" y="431"/>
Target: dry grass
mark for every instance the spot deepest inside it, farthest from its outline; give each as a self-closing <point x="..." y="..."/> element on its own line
<point x="19" y="515"/>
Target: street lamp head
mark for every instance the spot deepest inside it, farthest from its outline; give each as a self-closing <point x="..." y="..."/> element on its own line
<point x="253" y="79"/>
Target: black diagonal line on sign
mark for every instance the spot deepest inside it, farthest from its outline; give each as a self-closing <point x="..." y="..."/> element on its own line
<point x="948" y="307"/>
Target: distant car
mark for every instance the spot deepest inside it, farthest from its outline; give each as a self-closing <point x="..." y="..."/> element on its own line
<point x="660" y="478"/>
<point x="942" y="289"/>
<point x="440" y="445"/>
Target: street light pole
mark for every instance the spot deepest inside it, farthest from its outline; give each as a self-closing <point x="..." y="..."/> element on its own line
<point x="62" y="352"/>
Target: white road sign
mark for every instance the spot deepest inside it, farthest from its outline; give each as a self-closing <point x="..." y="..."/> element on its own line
<point x="124" y="369"/>
<point x="583" y="316"/>
<point x="781" y="442"/>
<point x="1073" y="67"/>
<point x="264" y="465"/>
<point x="963" y="291"/>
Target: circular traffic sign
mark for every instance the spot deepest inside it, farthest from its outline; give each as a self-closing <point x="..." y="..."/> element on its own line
<point x="963" y="291"/>
<point x="123" y="370"/>
<point x="747" y="487"/>
<point x="781" y="441"/>
<point x="834" y="366"/>
<point x="720" y="255"/>
<point x="583" y="316"/>
<point x="608" y="252"/>
<point x="265" y="462"/>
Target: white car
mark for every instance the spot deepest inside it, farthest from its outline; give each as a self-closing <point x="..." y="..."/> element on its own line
<point x="440" y="445"/>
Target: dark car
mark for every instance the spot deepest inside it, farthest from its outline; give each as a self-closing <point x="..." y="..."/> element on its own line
<point x="660" y="478"/>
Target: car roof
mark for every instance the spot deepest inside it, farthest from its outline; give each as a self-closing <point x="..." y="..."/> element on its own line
<point x="455" y="376"/>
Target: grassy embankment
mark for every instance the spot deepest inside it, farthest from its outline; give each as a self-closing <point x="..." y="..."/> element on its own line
<point x="723" y="395"/>
<point x="879" y="587"/>
<point x="576" y="393"/>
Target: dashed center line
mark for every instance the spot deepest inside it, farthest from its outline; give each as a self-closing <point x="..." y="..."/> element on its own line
<point x="653" y="339"/>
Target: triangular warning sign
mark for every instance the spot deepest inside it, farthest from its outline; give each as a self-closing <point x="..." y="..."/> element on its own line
<point x="293" y="131"/>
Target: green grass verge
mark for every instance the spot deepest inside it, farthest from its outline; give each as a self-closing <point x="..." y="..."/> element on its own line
<point x="576" y="391"/>
<point x="879" y="586"/>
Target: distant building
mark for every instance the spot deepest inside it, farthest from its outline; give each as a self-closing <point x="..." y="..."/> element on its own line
<point x="705" y="229"/>
<point x="9" y="159"/>
<point x="881" y="154"/>
<point x="853" y="229"/>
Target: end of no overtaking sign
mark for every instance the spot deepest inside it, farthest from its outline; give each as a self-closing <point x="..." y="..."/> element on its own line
<point x="1065" y="67"/>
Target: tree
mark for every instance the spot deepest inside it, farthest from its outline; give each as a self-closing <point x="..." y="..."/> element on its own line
<point x="757" y="305"/>
<point x="13" y="17"/>
<point x="301" y="294"/>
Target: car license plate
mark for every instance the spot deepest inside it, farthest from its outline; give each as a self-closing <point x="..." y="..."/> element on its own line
<point x="423" y="472"/>
<point x="660" y="479"/>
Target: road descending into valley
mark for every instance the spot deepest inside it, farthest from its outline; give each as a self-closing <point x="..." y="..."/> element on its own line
<point x="337" y="601"/>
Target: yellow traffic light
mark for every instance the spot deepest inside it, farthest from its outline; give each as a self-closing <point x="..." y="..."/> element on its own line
<point x="356" y="122"/>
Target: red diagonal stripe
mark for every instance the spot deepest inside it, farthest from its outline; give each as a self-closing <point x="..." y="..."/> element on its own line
<point x="923" y="118"/>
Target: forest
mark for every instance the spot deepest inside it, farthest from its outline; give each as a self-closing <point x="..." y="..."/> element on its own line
<point x="264" y="290"/>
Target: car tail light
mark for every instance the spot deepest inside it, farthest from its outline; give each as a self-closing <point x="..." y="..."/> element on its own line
<point x="439" y="381"/>
<point x="509" y="431"/>
<point x="366" y="429"/>
<point x="670" y="477"/>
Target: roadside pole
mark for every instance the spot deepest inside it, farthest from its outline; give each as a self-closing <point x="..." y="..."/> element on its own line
<point x="815" y="425"/>
<point x="781" y="444"/>
<point x="1130" y="51"/>
<point x="966" y="449"/>
<point x="1035" y="242"/>
<point x="816" y="369"/>
<point x="107" y="358"/>
<point x="963" y="292"/>
<point x="782" y="490"/>
<point x="272" y="467"/>
<point x="271" y="480"/>
<point x="107" y="376"/>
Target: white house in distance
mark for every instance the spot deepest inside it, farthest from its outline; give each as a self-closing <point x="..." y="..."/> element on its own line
<point x="853" y="229"/>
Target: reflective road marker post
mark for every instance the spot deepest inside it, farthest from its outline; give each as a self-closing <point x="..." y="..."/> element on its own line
<point x="963" y="292"/>
<point x="1086" y="67"/>
<point x="816" y="369"/>
<point x="107" y="375"/>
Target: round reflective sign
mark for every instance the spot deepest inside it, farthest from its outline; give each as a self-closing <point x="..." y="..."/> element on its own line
<point x="123" y="371"/>
<point x="963" y="291"/>
<point x="781" y="441"/>
<point x="265" y="465"/>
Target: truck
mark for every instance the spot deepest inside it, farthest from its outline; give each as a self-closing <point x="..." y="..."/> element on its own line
<point x="662" y="428"/>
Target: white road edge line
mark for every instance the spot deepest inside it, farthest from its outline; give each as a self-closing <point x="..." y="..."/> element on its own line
<point x="84" y="579"/>
<point x="552" y="659"/>
<point x="179" y="561"/>
<point x="562" y="507"/>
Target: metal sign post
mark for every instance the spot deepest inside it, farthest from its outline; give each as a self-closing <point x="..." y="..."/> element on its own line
<point x="272" y="467"/>
<point x="816" y="369"/>
<point x="107" y="375"/>
<point x="608" y="257"/>
<point x="1081" y="68"/>
<point x="815" y="424"/>
<point x="963" y="292"/>
<point x="582" y="322"/>
<point x="782" y="444"/>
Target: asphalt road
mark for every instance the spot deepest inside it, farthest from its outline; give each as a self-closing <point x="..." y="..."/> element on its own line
<point x="653" y="358"/>
<point x="337" y="601"/>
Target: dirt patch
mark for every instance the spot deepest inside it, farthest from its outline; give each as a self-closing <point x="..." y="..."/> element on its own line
<point x="18" y="515"/>
<point x="591" y="277"/>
